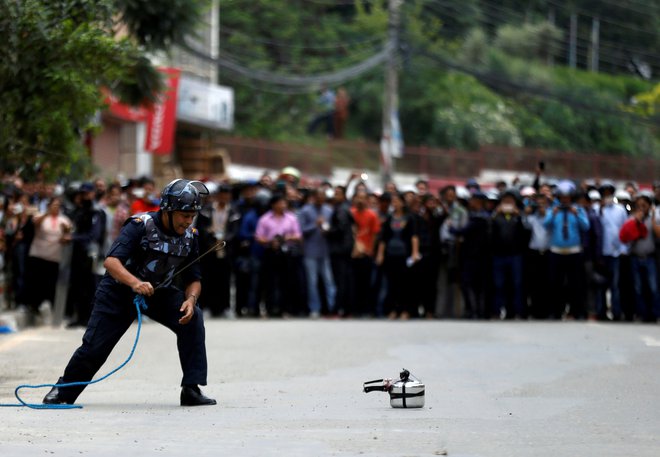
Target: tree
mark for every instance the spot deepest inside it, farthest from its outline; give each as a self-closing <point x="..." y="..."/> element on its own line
<point x="55" y="56"/>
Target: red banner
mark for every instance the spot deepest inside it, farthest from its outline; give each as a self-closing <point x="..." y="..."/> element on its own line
<point x="124" y="112"/>
<point x="161" y="119"/>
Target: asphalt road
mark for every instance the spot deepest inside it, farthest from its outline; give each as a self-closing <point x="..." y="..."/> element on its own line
<point x="294" y="388"/>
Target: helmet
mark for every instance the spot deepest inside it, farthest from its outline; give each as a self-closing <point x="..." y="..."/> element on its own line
<point x="566" y="188"/>
<point x="472" y="184"/>
<point x="511" y="192"/>
<point x="607" y="185"/>
<point x="183" y="195"/>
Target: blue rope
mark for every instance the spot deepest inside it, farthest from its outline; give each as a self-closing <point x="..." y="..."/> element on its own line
<point x="140" y="305"/>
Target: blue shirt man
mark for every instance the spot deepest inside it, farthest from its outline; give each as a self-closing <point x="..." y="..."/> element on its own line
<point x="314" y="223"/>
<point x="566" y="222"/>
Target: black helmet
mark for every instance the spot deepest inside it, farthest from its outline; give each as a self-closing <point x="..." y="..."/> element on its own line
<point x="183" y="195"/>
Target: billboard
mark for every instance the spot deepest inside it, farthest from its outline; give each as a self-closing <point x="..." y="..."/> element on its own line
<point x="205" y="104"/>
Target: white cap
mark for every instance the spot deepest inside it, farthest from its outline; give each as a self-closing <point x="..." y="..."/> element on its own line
<point x="330" y="193"/>
<point x="594" y="194"/>
<point x="58" y="190"/>
<point x="409" y="188"/>
<point x="462" y="193"/>
<point x="212" y="186"/>
<point x="622" y="195"/>
<point x="527" y="191"/>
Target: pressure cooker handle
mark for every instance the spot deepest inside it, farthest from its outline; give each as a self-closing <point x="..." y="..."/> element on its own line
<point x="380" y="387"/>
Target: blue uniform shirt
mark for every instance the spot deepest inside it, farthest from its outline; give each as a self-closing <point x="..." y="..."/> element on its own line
<point x="129" y="245"/>
<point x="565" y="227"/>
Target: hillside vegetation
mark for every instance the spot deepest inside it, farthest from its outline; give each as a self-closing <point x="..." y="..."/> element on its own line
<point x="472" y="72"/>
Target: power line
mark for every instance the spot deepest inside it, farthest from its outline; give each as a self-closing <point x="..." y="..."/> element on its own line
<point x="515" y="88"/>
<point x="226" y="62"/>
<point x="616" y="59"/>
<point x="283" y="44"/>
<point x="604" y="19"/>
<point x="515" y="14"/>
<point x="328" y="62"/>
<point x="627" y="7"/>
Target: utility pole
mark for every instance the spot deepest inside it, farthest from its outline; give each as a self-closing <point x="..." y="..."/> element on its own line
<point x="551" y="54"/>
<point x="215" y="40"/>
<point x="388" y="142"/>
<point x="595" y="43"/>
<point x="572" y="52"/>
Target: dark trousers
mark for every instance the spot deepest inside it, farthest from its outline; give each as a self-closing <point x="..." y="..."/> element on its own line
<point x="536" y="280"/>
<point x="283" y="275"/>
<point x="567" y="284"/>
<point x="216" y="285"/>
<point x="449" y="277"/>
<point x="475" y="277"/>
<point x="325" y="119"/>
<point x="41" y="281"/>
<point x="612" y="278"/>
<point x="81" y="284"/>
<point x="343" y="275"/>
<point x="399" y="289"/>
<point x="248" y="287"/>
<point x="626" y="287"/>
<point x="19" y="268"/>
<point x="363" y="299"/>
<point x="508" y="268"/>
<point x="644" y="274"/>
<point x="427" y="270"/>
<point x="110" y="320"/>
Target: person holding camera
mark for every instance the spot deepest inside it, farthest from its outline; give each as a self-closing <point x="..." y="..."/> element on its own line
<point x="640" y="232"/>
<point x="314" y="221"/>
<point x="218" y="221"/>
<point x="537" y="256"/>
<point x="475" y="258"/>
<point x="566" y="223"/>
<point x="612" y="217"/>
<point x="509" y="238"/>
<point x="279" y="232"/>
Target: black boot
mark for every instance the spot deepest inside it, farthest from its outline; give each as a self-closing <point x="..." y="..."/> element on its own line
<point x="54" y="397"/>
<point x="193" y="396"/>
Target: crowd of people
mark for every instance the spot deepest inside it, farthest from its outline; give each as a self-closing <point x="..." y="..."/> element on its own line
<point x="547" y="250"/>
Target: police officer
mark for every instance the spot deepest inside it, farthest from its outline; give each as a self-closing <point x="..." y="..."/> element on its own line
<point x="143" y="260"/>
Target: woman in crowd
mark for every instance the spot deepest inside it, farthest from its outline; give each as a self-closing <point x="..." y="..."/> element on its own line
<point x="51" y="230"/>
<point x="398" y="249"/>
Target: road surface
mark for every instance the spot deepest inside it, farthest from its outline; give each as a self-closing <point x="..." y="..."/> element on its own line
<point x="293" y="388"/>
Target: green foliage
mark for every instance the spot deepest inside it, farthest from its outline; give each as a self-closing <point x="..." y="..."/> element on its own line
<point x="475" y="125"/>
<point x="529" y="41"/>
<point x="54" y="58"/>
<point x="647" y="103"/>
<point x="55" y="55"/>
<point x="160" y="24"/>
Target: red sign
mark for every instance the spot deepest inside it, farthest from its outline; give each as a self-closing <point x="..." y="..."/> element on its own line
<point x="124" y="112"/>
<point x="161" y="119"/>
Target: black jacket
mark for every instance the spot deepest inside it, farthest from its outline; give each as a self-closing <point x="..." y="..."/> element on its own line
<point x="508" y="235"/>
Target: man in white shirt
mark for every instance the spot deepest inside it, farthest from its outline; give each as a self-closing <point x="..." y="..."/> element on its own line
<point x="612" y="218"/>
